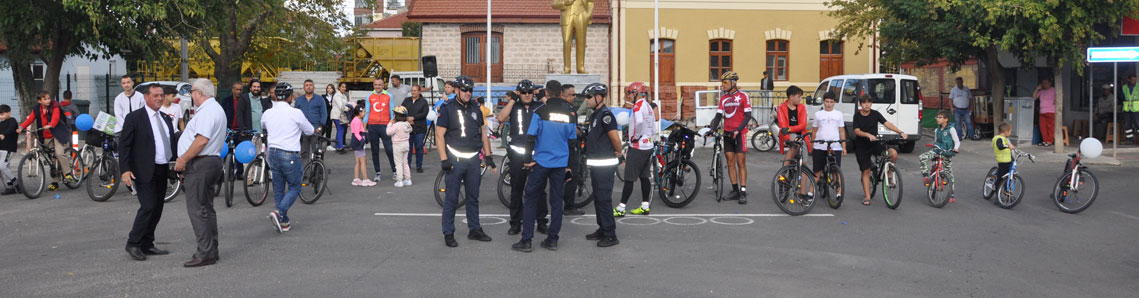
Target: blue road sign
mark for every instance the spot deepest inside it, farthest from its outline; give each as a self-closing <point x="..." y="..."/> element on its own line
<point x="1120" y="54"/>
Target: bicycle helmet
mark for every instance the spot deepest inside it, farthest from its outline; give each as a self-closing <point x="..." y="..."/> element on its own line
<point x="595" y="89"/>
<point x="638" y="87"/>
<point x="525" y="86"/>
<point x="731" y="75"/>
<point x="283" y="90"/>
<point x="464" y="83"/>
<point x="400" y="110"/>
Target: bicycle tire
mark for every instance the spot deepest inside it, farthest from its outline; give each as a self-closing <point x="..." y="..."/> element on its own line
<point x="718" y="178"/>
<point x="892" y="200"/>
<point x="505" y="191"/>
<point x="939" y="189"/>
<point x="89" y="158"/>
<point x="763" y="141"/>
<point x="76" y="165"/>
<point x="1060" y="195"/>
<point x="216" y="187"/>
<point x="677" y="177"/>
<point x="584" y="194"/>
<point x="441" y="191"/>
<point x="227" y="180"/>
<point x="836" y="184"/>
<point x="1008" y="199"/>
<point x="784" y="187"/>
<point x="315" y="178"/>
<point x="105" y="178"/>
<point x="990" y="184"/>
<point x="173" y="186"/>
<point x="256" y="184"/>
<point x="34" y="169"/>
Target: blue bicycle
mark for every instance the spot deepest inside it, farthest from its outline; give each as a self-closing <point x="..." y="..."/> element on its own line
<point x="1009" y="189"/>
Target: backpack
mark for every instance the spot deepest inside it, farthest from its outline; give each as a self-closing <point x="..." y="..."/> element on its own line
<point x="357" y="144"/>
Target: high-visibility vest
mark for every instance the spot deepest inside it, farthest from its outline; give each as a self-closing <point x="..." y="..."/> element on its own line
<point x="1002" y="155"/>
<point x="1130" y="99"/>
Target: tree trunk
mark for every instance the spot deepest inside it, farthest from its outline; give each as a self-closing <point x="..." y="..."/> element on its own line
<point x="1058" y="121"/>
<point x="227" y="70"/>
<point x="997" y="87"/>
<point x="25" y="83"/>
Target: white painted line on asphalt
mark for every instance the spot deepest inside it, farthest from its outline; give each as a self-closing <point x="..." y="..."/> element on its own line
<point x="1125" y="215"/>
<point x="651" y="215"/>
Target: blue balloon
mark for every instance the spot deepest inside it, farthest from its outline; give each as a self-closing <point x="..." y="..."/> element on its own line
<point x="84" y="122"/>
<point x="224" y="151"/>
<point x="245" y="152"/>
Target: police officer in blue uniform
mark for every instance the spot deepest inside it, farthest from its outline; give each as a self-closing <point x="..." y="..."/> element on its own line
<point x="552" y="126"/>
<point x="602" y="155"/>
<point x="518" y="112"/>
<point x="459" y="132"/>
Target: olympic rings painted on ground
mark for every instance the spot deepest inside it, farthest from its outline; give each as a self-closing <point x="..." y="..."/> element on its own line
<point x="498" y="220"/>
<point x="633" y="221"/>
<point x="679" y="220"/>
<point x="720" y="220"/>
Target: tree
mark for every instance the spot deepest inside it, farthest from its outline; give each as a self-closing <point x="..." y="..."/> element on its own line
<point x="52" y="31"/>
<point x="1059" y="31"/>
<point x="411" y="29"/>
<point x="241" y="26"/>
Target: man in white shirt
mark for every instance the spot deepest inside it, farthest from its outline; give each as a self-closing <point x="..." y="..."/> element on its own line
<point x="284" y="126"/>
<point x="642" y="131"/>
<point x="829" y="126"/>
<point x="127" y="101"/>
<point x="961" y="100"/>
<point x="199" y="160"/>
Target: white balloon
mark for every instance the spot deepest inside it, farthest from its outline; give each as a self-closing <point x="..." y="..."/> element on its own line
<point x="623" y="118"/>
<point x="1091" y="148"/>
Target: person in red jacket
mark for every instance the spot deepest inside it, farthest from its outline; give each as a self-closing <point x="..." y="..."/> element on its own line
<point x="48" y="117"/>
<point x="793" y="120"/>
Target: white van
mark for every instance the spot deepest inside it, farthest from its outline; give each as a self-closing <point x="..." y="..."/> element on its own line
<point x="897" y="97"/>
<point x="432" y="87"/>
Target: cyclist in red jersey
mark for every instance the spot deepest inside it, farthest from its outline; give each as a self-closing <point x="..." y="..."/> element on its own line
<point x="793" y="120"/>
<point x="735" y="112"/>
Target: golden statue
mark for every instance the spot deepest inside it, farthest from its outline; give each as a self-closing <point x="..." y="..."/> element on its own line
<point x="577" y="15"/>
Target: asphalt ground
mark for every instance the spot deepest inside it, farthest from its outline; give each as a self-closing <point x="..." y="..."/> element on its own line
<point x="340" y="247"/>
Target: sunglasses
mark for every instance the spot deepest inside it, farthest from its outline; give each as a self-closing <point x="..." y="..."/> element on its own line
<point x="466" y="89"/>
<point x="630" y="92"/>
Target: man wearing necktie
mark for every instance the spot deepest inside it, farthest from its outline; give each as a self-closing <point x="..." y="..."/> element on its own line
<point x="145" y="151"/>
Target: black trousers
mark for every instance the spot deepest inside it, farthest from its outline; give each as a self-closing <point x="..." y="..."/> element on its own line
<point x="517" y="189"/>
<point x="575" y="167"/>
<point x="603" y="198"/>
<point x="150" y="208"/>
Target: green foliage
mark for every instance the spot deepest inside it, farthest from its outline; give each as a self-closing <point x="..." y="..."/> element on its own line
<point x="411" y="29"/>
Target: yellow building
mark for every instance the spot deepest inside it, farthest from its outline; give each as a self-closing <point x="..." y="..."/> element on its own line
<point x="702" y="38"/>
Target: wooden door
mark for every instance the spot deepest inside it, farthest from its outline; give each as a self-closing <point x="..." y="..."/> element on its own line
<point x="667" y="62"/>
<point x="830" y="59"/>
<point x="474" y="56"/>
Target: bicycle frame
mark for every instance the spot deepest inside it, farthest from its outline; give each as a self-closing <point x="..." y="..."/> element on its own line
<point x="1009" y="182"/>
<point x="1075" y="165"/>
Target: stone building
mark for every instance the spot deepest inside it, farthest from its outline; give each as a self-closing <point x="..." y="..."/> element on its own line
<point x="525" y="39"/>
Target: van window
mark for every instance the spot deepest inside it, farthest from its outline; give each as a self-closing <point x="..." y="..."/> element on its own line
<point x="184" y="90"/>
<point x="851" y="90"/>
<point x="910" y="91"/>
<point x="818" y="99"/>
<point x="881" y="90"/>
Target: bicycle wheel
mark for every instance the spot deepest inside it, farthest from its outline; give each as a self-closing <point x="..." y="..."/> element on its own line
<point x="834" y="186"/>
<point x="988" y="189"/>
<point x="718" y="178"/>
<point x="938" y="190"/>
<point x="227" y="180"/>
<point x="75" y="163"/>
<point x="32" y="176"/>
<point x="441" y="190"/>
<point x="216" y="187"/>
<point x="892" y="187"/>
<point x="103" y="180"/>
<point x="89" y="158"/>
<point x="1008" y="195"/>
<point x="313" y="182"/>
<point x="786" y="186"/>
<point x="763" y="141"/>
<point x="584" y="194"/>
<point x="505" y="191"/>
<point x="173" y="186"/>
<point x="257" y="186"/>
<point x="1075" y="199"/>
<point x="679" y="184"/>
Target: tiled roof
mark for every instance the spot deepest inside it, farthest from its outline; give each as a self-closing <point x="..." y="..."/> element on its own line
<point x="503" y="11"/>
<point x="391" y="22"/>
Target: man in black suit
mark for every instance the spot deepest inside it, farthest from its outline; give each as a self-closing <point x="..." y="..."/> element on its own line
<point x="237" y="118"/>
<point x="145" y="149"/>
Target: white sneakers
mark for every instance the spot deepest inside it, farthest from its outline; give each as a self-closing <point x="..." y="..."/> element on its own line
<point x="403" y="183"/>
<point x="365" y="182"/>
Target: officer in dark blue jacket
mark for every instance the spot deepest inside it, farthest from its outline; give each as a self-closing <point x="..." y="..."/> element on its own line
<point x="551" y="128"/>
<point x="460" y="130"/>
<point x="518" y="112"/>
<point x="602" y="155"/>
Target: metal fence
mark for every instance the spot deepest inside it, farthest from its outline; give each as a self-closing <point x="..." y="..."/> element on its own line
<point x="98" y="90"/>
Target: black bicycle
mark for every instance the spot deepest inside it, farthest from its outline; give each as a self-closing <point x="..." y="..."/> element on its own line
<point x="885" y="173"/>
<point x="314" y="180"/>
<point x="831" y="184"/>
<point x="231" y="140"/>
<point x="717" y="170"/>
<point x="790" y="185"/>
<point x="679" y="179"/>
<point x="258" y="183"/>
<point x="102" y="175"/>
<point x="40" y="163"/>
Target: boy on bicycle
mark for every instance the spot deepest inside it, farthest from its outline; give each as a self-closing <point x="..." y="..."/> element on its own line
<point x="1002" y="151"/>
<point x="866" y="144"/>
<point x="944" y="137"/>
<point x="829" y="126"/>
<point x="56" y="133"/>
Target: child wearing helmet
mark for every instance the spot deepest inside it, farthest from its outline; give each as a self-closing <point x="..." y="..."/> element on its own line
<point x="400" y="131"/>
